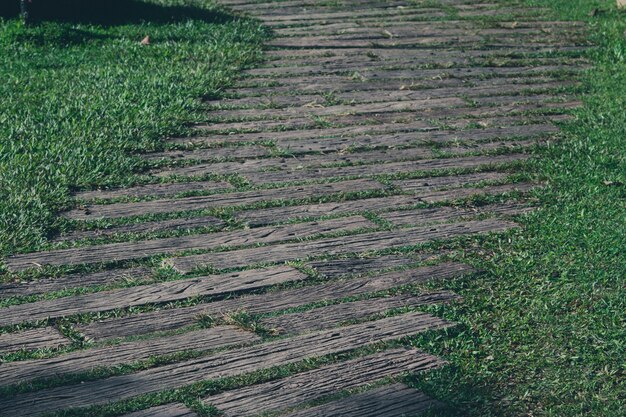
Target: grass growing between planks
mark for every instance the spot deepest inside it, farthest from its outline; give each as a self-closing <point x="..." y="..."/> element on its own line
<point x="80" y="94"/>
<point x="544" y="331"/>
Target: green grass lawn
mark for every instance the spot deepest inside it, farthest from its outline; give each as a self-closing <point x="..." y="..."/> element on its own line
<point x="79" y="92"/>
<point x="544" y="329"/>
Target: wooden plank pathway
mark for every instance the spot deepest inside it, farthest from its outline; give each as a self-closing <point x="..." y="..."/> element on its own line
<point x="278" y="261"/>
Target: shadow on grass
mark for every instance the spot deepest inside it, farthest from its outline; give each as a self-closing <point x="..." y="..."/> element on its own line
<point x="109" y="12"/>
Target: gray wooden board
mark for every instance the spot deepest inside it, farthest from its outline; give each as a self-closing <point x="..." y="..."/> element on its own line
<point x="299" y="162"/>
<point x="358" y="97"/>
<point x="289" y="54"/>
<point x="390" y="154"/>
<point x="263" y="217"/>
<point x="298" y="12"/>
<point x="226" y="364"/>
<point x="490" y="121"/>
<point x="125" y="353"/>
<point x="383" y="41"/>
<point x="505" y="12"/>
<point x="145" y="294"/>
<point x="147" y="227"/>
<point x="521" y="99"/>
<point x="415" y="74"/>
<point x="360" y="63"/>
<point x="263" y="93"/>
<point x="170" y="319"/>
<point x="428" y="118"/>
<point x="404" y="28"/>
<point x="420" y="185"/>
<point x="365" y="135"/>
<point x="407" y="105"/>
<point x="363" y="66"/>
<point x="404" y="31"/>
<point x="395" y="400"/>
<point x="335" y="268"/>
<point x="306" y="4"/>
<point x="394" y="56"/>
<point x="331" y="316"/>
<point x="424" y="165"/>
<point x="152" y="190"/>
<point x="347" y="15"/>
<point x="461" y="193"/>
<point x="250" y="151"/>
<point x="295" y="9"/>
<point x="394" y="104"/>
<point x="235" y="199"/>
<point x="133" y="250"/>
<point x="309" y="386"/>
<point x="45" y="285"/>
<point x="412" y="217"/>
<point x="42" y="338"/>
<point x="350" y="244"/>
<point x="168" y="410"/>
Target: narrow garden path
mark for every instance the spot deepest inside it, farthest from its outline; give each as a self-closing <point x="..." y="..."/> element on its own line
<point x="281" y="260"/>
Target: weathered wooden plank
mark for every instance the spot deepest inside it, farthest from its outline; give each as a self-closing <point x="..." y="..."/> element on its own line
<point x="297" y="11"/>
<point x="162" y="292"/>
<point x="308" y="93"/>
<point x="170" y="319"/>
<point x="147" y="227"/>
<point x="43" y="338"/>
<point x="524" y="13"/>
<point x="296" y="7"/>
<point x="495" y="120"/>
<point x="302" y="141"/>
<point x="364" y="77"/>
<point x="168" y="410"/>
<point x="153" y="190"/>
<point x="229" y="152"/>
<point x="350" y="27"/>
<point x="349" y="244"/>
<point x="405" y="30"/>
<point x="339" y="65"/>
<point x="357" y="97"/>
<point x="460" y="193"/>
<point x="336" y="314"/>
<point x="438" y="28"/>
<point x="413" y="217"/>
<point x="367" y="108"/>
<point x="336" y="268"/>
<point x="395" y="400"/>
<point x="383" y="41"/>
<point x="298" y="162"/>
<point x="428" y="118"/>
<point x="45" y="285"/>
<point x="423" y="165"/>
<point x="393" y="153"/>
<point x="227" y="364"/>
<point x="399" y="104"/>
<point x="262" y="217"/>
<point x="290" y="19"/>
<point x="313" y="385"/>
<point x="287" y="55"/>
<point x="235" y="199"/>
<point x="132" y="250"/>
<point x="421" y="185"/>
<point x="125" y="353"/>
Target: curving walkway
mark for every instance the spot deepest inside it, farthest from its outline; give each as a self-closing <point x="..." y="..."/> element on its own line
<point x="298" y="228"/>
